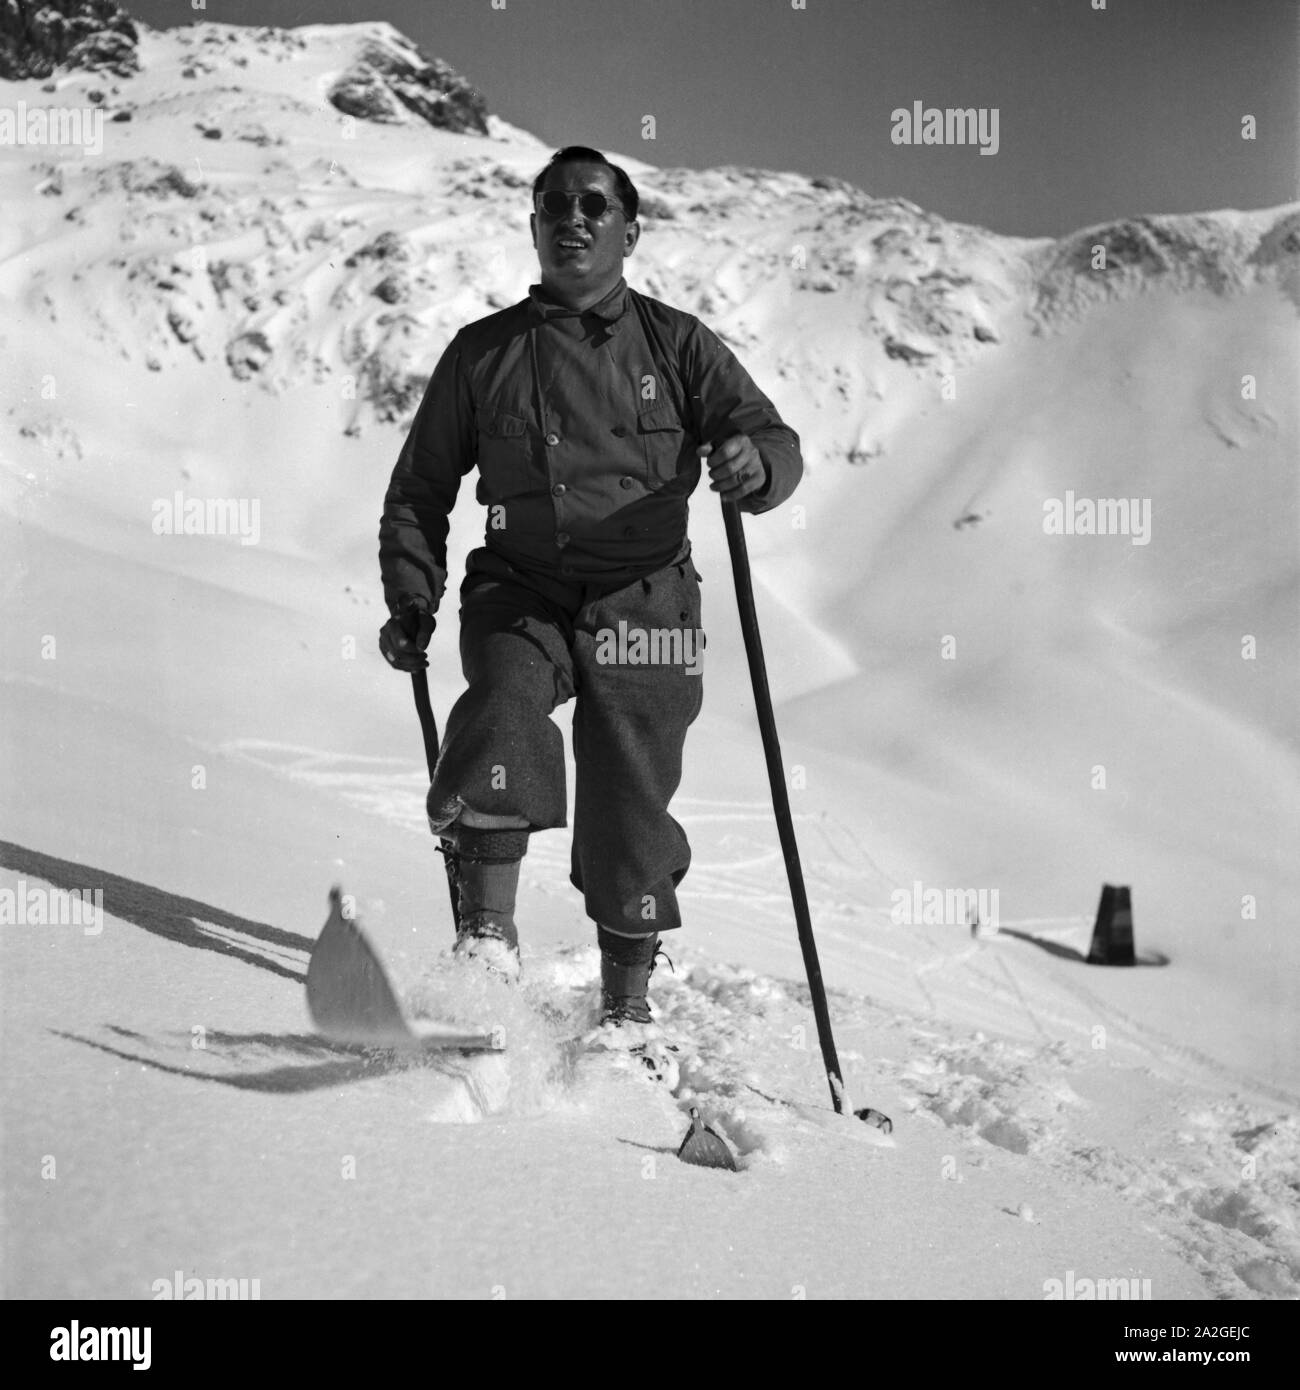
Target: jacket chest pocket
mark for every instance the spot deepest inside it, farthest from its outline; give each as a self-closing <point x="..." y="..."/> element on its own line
<point x="661" y="436"/>
<point x="504" y="455"/>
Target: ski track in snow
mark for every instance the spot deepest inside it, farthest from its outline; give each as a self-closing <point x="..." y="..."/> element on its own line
<point x="751" y="879"/>
<point x="747" y="1050"/>
<point x="748" y="1058"/>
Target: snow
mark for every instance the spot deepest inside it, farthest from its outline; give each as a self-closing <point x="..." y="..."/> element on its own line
<point x="213" y="739"/>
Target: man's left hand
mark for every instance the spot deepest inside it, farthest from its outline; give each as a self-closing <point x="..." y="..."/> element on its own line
<point x="735" y="467"/>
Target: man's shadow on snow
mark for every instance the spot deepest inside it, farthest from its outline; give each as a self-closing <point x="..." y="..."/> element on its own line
<point x="183" y="920"/>
<point x="304" y="1063"/>
<point x="1054" y="948"/>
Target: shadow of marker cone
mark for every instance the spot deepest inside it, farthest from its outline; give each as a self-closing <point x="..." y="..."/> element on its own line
<point x="1112" y="935"/>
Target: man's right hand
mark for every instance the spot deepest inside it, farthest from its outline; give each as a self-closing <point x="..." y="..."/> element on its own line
<point x="403" y="638"/>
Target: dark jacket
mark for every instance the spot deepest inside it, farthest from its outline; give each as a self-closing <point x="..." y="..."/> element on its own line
<point x="584" y="428"/>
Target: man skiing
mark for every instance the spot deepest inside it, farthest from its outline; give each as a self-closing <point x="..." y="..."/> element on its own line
<point x="586" y="408"/>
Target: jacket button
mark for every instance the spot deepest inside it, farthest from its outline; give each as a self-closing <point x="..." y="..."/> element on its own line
<point x="629" y="533"/>
<point x="620" y="431"/>
<point x="626" y="482"/>
<point x="559" y="490"/>
<point x="552" y="439"/>
<point x="561" y="539"/>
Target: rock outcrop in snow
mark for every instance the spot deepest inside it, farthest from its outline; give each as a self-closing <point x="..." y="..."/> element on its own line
<point x="389" y="76"/>
<point x="1221" y="252"/>
<point x="39" y="36"/>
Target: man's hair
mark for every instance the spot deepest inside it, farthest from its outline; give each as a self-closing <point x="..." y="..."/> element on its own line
<point x="582" y="154"/>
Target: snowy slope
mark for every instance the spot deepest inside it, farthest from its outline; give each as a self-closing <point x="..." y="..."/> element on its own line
<point x="253" y="316"/>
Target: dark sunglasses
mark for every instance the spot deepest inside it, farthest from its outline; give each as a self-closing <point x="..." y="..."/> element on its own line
<point x="593" y="205"/>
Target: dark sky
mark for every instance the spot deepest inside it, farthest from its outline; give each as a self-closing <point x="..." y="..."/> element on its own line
<point x="1102" y="113"/>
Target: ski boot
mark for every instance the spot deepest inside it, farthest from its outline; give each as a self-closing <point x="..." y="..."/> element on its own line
<point x="626" y="1023"/>
<point x="485" y="865"/>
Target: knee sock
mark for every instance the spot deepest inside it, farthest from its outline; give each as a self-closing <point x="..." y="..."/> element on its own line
<point x="487" y="875"/>
<point x="626" y="963"/>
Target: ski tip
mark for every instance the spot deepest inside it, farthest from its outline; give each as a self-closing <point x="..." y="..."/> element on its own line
<point x="704" y="1147"/>
<point x="342" y="907"/>
<point x="874" y="1117"/>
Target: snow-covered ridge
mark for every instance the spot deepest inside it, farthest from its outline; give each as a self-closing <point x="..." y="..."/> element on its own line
<point x="310" y="146"/>
<point x="1224" y="252"/>
<point x="384" y="77"/>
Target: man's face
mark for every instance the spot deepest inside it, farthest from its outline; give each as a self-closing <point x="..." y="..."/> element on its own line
<point x="578" y="252"/>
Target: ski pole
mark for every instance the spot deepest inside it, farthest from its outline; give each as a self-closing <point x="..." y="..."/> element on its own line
<point x="780" y="797"/>
<point x="429" y="730"/>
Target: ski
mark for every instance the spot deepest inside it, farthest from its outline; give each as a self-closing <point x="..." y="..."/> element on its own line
<point x="704" y="1147"/>
<point x="351" y="1001"/>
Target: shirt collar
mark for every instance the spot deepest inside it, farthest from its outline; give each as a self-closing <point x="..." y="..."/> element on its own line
<point x="609" y="309"/>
